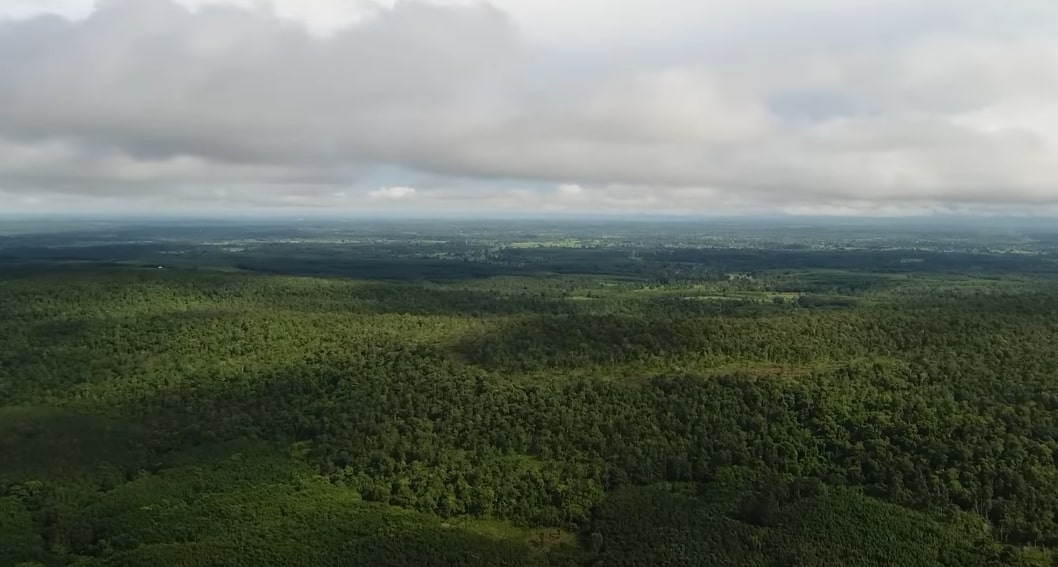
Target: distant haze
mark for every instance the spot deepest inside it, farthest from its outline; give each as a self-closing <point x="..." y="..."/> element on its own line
<point x="756" y="107"/>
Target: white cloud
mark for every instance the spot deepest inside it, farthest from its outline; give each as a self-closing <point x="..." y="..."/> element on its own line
<point x="393" y="194"/>
<point x="667" y="105"/>
<point x="570" y="191"/>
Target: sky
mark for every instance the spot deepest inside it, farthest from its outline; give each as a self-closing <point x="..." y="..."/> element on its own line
<point x="698" y="107"/>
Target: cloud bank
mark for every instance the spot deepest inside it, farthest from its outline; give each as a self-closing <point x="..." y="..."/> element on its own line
<point x="850" y="107"/>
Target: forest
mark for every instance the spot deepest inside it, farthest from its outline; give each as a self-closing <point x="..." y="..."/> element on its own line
<point x="560" y="393"/>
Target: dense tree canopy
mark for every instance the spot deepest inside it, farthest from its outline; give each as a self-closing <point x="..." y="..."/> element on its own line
<point x="754" y="408"/>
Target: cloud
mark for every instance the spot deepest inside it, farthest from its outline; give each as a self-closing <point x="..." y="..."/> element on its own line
<point x="761" y="106"/>
<point x="392" y="194"/>
<point x="570" y="191"/>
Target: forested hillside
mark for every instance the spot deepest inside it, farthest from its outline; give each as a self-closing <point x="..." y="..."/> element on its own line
<point x="491" y="397"/>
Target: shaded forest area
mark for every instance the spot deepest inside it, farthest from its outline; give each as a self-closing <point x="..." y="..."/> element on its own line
<point x="528" y="395"/>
